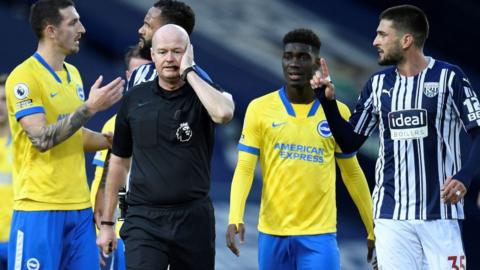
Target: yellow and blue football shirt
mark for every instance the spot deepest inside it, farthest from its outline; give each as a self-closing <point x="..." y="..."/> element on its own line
<point x="297" y="156"/>
<point x="55" y="179"/>
<point x="99" y="162"/>
<point x="6" y="189"/>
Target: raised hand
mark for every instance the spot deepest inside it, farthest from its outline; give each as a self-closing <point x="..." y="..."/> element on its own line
<point x="187" y="59"/>
<point x="321" y="80"/>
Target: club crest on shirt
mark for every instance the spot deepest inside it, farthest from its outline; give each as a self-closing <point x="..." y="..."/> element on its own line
<point x="33" y="264"/>
<point x="80" y="92"/>
<point x="430" y="89"/>
<point x="184" y="133"/>
<point x="20" y="90"/>
<point x="324" y="129"/>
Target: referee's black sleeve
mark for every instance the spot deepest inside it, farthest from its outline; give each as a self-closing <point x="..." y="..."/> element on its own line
<point x="122" y="137"/>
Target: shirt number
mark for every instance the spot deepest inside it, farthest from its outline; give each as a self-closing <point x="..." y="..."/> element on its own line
<point x="460" y="265"/>
<point x="473" y="108"/>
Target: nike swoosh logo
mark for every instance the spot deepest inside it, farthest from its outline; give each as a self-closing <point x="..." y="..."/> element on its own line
<point x="143" y="104"/>
<point x="53" y="94"/>
<point x="274" y="125"/>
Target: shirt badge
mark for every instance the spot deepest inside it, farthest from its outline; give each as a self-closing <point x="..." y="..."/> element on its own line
<point x="20" y="91"/>
<point x="184" y="133"/>
<point x="430" y="89"/>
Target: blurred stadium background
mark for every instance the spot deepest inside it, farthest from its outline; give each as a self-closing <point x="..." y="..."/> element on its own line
<point x="239" y="43"/>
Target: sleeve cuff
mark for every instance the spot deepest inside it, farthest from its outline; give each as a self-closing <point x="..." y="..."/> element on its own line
<point x="29" y="111"/>
<point x="248" y="149"/>
<point x="345" y="155"/>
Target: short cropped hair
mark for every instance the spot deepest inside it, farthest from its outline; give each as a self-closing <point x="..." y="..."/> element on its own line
<point x="45" y="12"/>
<point x="3" y="78"/>
<point x="133" y="52"/>
<point x="304" y="36"/>
<point x="176" y="12"/>
<point x="408" y="19"/>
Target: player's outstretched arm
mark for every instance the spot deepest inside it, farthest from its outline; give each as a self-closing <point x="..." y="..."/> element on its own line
<point x="219" y="105"/>
<point x="324" y="89"/>
<point x="44" y="136"/>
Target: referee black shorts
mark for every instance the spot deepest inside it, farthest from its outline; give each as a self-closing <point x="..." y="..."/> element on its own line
<point x="180" y="236"/>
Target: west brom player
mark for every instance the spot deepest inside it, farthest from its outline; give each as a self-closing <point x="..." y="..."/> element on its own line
<point x="419" y="105"/>
<point x="163" y="12"/>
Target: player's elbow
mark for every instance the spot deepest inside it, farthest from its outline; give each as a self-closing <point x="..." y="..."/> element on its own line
<point x="223" y="115"/>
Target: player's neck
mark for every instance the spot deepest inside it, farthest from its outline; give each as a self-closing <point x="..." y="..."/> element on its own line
<point x="52" y="56"/>
<point x="170" y="86"/>
<point x="413" y="64"/>
<point x="300" y="95"/>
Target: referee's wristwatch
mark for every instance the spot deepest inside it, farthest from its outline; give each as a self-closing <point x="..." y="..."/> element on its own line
<point x="186" y="71"/>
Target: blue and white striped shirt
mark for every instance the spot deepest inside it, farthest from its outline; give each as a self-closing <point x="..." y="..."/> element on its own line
<point x="419" y="120"/>
<point x="147" y="72"/>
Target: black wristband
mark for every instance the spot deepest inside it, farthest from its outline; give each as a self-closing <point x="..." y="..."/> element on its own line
<point x="109" y="223"/>
<point x="186" y="71"/>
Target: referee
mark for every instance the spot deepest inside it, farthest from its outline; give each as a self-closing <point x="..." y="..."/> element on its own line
<point x="165" y="130"/>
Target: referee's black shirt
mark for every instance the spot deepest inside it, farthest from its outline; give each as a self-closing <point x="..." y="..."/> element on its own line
<point x="170" y="136"/>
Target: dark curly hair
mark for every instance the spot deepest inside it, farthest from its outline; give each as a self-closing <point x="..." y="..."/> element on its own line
<point x="45" y="12"/>
<point x="178" y="13"/>
<point x="303" y="35"/>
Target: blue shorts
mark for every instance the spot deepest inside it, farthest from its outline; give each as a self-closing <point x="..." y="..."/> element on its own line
<point x="117" y="260"/>
<point x="3" y="255"/>
<point x="298" y="252"/>
<point x="53" y="240"/>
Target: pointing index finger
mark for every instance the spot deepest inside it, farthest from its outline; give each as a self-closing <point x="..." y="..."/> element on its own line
<point x="324" y="68"/>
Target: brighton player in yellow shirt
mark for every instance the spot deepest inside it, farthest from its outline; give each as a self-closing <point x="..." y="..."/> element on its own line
<point x="6" y="190"/>
<point x="288" y="132"/>
<point x="52" y="225"/>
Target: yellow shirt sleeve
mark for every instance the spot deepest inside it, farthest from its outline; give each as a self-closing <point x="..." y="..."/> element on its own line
<point x="241" y="185"/>
<point x="23" y="94"/>
<point x="249" y="150"/>
<point x="357" y="187"/>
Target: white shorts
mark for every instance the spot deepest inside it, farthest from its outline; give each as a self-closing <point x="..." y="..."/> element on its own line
<point x="419" y="245"/>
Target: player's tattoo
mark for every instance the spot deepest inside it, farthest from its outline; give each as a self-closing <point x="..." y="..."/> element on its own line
<point x="54" y="134"/>
<point x="106" y="164"/>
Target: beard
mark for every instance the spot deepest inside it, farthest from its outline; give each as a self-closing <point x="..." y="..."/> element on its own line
<point x="145" y="46"/>
<point x="393" y="58"/>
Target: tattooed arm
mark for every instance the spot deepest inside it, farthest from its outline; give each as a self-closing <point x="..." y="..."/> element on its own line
<point x="44" y="136"/>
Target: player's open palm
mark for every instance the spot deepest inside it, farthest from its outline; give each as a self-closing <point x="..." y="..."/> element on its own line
<point x="232" y="231"/>
<point x="101" y="98"/>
